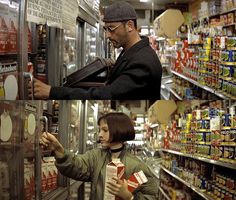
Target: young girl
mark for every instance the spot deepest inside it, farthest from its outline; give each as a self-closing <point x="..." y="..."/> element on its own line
<point x="114" y="130"/>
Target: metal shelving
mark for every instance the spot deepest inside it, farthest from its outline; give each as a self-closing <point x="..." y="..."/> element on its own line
<point x="164" y="194"/>
<point x="214" y="162"/>
<point x="222" y="13"/>
<point x="174" y="93"/>
<point x="199" y="192"/>
<point x="201" y="86"/>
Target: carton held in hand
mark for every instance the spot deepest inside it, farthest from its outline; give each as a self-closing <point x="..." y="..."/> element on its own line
<point x="115" y="168"/>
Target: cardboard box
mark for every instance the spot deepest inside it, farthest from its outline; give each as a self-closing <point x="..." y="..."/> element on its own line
<point x="161" y="111"/>
<point x="136" y="180"/>
<point x="168" y="23"/>
<point x="114" y="169"/>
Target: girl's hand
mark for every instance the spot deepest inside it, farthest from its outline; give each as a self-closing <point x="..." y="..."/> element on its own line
<point x="119" y="188"/>
<point x="50" y="141"/>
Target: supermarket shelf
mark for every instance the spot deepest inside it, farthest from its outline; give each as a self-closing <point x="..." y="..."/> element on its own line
<point x="201" y="86"/>
<point x="164" y="97"/>
<point x="174" y="93"/>
<point x="176" y="177"/>
<point x="166" y="77"/>
<point x="155" y="174"/>
<point x="214" y="162"/>
<point x="222" y="13"/>
<point x="228" y="25"/>
<point x="199" y="192"/>
<point x="197" y="44"/>
<point x="164" y="194"/>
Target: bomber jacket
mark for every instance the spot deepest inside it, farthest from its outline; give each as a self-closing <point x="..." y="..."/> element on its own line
<point x="136" y="75"/>
<point x="91" y="167"/>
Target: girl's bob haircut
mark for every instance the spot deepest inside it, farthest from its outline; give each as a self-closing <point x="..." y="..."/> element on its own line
<point x="120" y="126"/>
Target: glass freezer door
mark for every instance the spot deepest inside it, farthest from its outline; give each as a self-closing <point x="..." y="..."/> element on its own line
<point x="90" y="50"/>
<point x="69" y="56"/>
<point x="11" y="171"/>
<point x="91" y="125"/>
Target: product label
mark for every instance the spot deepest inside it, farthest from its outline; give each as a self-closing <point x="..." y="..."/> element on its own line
<point x="114" y="169"/>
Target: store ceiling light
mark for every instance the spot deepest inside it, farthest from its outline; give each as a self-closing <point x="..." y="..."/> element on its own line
<point x="143" y="1"/>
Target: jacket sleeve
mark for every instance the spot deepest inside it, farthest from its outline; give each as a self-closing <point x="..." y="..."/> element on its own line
<point x="131" y="80"/>
<point x="149" y="190"/>
<point x="78" y="167"/>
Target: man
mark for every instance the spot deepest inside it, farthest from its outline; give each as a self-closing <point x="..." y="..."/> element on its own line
<point x="136" y="73"/>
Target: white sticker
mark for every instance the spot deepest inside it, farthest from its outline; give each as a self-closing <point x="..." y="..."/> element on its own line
<point x="31" y="124"/>
<point x="6" y="127"/>
<point x="11" y="88"/>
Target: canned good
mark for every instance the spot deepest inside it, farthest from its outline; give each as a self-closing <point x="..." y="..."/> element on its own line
<point x="216" y="42"/>
<point x="233" y="89"/>
<point x="231" y="43"/>
<point x="220" y="84"/>
<point x="221" y="69"/>
<point x="229" y="152"/>
<point x="228" y="72"/>
<point x="205" y="114"/>
<point x="199" y="124"/>
<point x="229" y="88"/>
<point x="206" y="123"/>
<point x="223" y="194"/>
<point x="232" y="136"/>
<point x="224" y="86"/>
<point x="209" y="186"/>
<point x="207" y="137"/>
<point x="204" y="55"/>
<point x="226" y="120"/>
<point x="202" y="183"/>
<point x="230" y="184"/>
<point x="228" y="56"/>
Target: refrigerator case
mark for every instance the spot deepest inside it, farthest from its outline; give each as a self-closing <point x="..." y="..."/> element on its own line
<point x="9" y="15"/>
<point x="32" y="111"/>
<point x="11" y="150"/>
<point x="44" y="49"/>
<point x="18" y="145"/>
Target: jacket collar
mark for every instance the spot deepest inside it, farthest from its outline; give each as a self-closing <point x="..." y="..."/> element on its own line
<point x="139" y="45"/>
<point x="126" y="55"/>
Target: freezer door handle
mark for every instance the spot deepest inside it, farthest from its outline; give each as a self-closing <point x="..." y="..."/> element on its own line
<point x="31" y="77"/>
<point x="45" y="119"/>
<point x="65" y="68"/>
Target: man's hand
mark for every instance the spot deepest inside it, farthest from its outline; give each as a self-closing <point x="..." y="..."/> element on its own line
<point x="119" y="188"/>
<point x="41" y="90"/>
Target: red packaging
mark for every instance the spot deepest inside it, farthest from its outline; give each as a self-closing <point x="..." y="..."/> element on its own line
<point x="12" y="25"/>
<point x="12" y="39"/>
<point x="115" y="168"/>
<point x="136" y="180"/>
<point x="4" y="37"/>
<point x="29" y="40"/>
